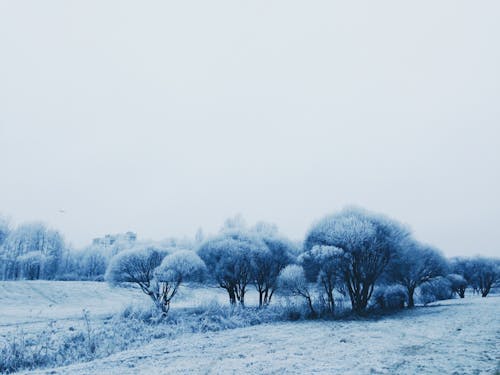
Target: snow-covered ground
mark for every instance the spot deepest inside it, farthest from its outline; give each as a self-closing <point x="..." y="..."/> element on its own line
<point x="452" y="337"/>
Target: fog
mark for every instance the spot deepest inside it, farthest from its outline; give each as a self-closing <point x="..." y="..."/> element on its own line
<point x="163" y="117"/>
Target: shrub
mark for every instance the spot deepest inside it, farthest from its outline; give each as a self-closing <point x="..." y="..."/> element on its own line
<point x="435" y="290"/>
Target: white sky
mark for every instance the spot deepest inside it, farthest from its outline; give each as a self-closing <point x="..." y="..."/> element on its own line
<point x="163" y="116"/>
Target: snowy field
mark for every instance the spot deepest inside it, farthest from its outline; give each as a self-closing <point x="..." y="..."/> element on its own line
<point x="451" y="337"/>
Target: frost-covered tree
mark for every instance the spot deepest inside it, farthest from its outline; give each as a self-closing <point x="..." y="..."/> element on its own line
<point x="228" y="258"/>
<point x="480" y="273"/>
<point x="323" y="264"/>
<point x="30" y="265"/>
<point x="464" y="268"/>
<point x="4" y="229"/>
<point x="91" y="262"/>
<point x="414" y="264"/>
<point x="268" y="261"/>
<point x="458" y="284"/>
<point x="32" y="237"/>
<point x="292" y="281"/>
<point x="368" y="240"/>
<point x="136" y="266"/>
<point x="486" y="273"/>
<point x="176" y="268"/>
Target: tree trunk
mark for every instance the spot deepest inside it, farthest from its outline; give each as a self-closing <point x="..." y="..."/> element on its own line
<point x="309" y="302"/>
<point x="411" y="301"/>
<point x="232" y="296"/>
<point x="461" y="292"/>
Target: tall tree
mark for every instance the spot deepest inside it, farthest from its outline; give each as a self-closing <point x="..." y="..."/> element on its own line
<point x="368" y="241"/>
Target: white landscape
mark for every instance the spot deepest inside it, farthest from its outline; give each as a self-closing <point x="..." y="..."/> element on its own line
<point x="249" y="187"/>
<point x="459" y="336"/>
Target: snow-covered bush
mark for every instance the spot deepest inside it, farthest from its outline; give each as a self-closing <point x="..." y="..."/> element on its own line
<point x="292" y="281"/>
<point x="435" y="290"/>
<point x="391" y="297"/>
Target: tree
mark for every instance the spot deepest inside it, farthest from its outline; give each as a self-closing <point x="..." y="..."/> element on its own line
<point x="136" y="266"/>
<point x="323" y="264"/>
<point x="175" y="269"/>
<point x="228" y="258"/>
<point x="292" y="281"/>
<point x="31" y="265"/>
<point x="368" y="241"/>
<point x="458" y="284"/>
<point x="485" y="273"/>
<point x="414" y="264"/>
<point x="464" y="268"/>
<point x="267" y="263"/>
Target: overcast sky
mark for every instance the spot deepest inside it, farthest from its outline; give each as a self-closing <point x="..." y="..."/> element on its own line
<point x="164" y="116"/>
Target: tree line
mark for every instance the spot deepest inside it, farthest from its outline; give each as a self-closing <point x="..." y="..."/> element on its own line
<point x="354" y="253"/>
<point x="365" y="256"/>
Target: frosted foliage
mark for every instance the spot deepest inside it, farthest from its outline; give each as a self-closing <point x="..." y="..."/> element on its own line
<point x="30" y="238"/>
<point x="369" y="240"/>
<point x="415" y="263"/>
<point x="135" y="266"/>
<point x="182" y="265"/>
<point x="228" y="258"/>
<point x="292" y="281"/>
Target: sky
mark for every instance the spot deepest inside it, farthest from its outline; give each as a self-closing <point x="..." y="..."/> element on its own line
<point x="161" y="117"/>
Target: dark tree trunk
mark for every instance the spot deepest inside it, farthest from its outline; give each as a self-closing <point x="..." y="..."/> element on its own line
<point x="411" y="301"/>
<point x="232" y="296"/>
<point x="461" y="292"/>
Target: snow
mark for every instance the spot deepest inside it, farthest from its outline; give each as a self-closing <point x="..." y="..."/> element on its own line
<point x="24" y="302"/>
<point x="453" y="337"/>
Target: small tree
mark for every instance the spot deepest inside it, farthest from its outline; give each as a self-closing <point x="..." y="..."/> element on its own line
<point x="228" y="258"/>
<point x="136" y="266"/>
<point x="292" y="281"/>
<point x="458" y="284"/>
<point x="267" y="263"/>
<point x="414" y="264"/>
<point x="323" y="264"/>
<point x="175" y="269"/>
<point x="485" y="274"/>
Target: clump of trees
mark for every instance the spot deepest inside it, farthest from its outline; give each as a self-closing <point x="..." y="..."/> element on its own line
<point x="239" y="257"/>
<point x="480" y="273"/>
<point x="30" y="251"/>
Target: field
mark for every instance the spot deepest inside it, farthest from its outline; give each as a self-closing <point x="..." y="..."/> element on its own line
<point x="451" y="337"/>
